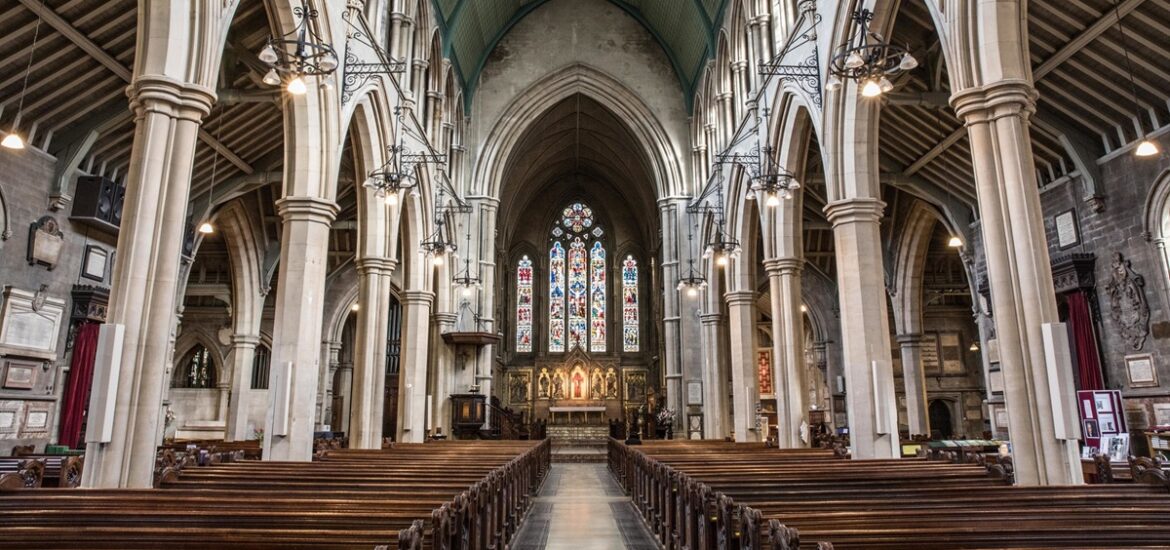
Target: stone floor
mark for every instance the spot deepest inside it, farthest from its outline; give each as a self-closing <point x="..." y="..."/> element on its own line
<point x="581" y="507"/>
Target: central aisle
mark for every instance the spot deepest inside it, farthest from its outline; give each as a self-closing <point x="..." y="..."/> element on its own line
<point x="581" y="507"/>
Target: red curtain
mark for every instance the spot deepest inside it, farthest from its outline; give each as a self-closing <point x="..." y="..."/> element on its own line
<point x="1080" y="321"/>
<point x="76" y="400"/>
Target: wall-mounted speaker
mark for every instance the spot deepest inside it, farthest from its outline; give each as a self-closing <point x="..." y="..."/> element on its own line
<point x="97" y="202"/>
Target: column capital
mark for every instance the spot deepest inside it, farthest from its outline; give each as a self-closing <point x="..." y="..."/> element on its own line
<point x="711" y="318"/>
<point x="245" y="340"/>
<point x="171" y="97"/>
<point x="723" y="96"/>
<point x="417" y="297"/>
<point x="1011" y="97"/>
<point x="308" y="209"/>
<point x="446" y="317"/>
<point x="375" y="265"/>
<point x="739" y="66"/>
<point x="909" y="340"/>
<point x="855" y="210"/>
<point x="740" y="298"/>
<point x="783" y="266"/>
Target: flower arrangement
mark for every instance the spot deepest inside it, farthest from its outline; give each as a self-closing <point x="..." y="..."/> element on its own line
<point x="258" y="435"/>
<point x="665" y="417"/>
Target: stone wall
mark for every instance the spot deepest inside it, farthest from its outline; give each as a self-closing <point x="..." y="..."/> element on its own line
<point x="1126" y="186"/>
<point x="25" y="181"/>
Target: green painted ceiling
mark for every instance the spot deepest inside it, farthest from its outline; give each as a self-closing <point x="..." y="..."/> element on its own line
<point x="684" y="28"/>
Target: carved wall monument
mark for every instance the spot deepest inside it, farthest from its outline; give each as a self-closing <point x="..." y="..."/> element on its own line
<point x="1127" y="302"/>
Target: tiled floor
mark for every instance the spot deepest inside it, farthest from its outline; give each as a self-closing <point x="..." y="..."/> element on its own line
<point x="581" y="507"/>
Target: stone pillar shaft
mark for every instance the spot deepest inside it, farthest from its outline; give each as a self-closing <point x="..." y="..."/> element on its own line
<point x="146" y="276"/>
<point x="304" y="251"/>
<point x="1019" y="270"/>
<point x="714" y="378"/>
<point x="790" y="380"/>
<point x="741" y="306"/>
<point x="365" y="424"/>
<point x="242" y="357"/>
<point x="865" y="327"/>
<point x="669" y="212"/>
<point x="412" y="385"/>
<point x="914" y="380"/>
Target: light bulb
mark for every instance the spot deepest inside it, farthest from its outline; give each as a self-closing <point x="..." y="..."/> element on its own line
<point x="803" y="308"/>
<point x="974" y="346"/>
<point x="271" y="78"/>
<point x="833" y="84"/>
<point x="885" y="84"/>
<point x="751" y="196"/>
<point x="722" y="260"/>
<point x="391" y="198"/>
<point x="268" y="55"/>
<point x="955" y="242"/>
<point x="871" y="89"/>
<point x="206" y="228"/>
<point x="355" y="307"/>
<point x="773" y="200"/>
<point x="328" y="63"/>
<point x="12" y="141"/>
<point x="692" y="291"/>
<point x="468" y="291"/>
<point x="1146" y="148"/>
<point x="908" y="62"/>
<point x="437" y="260"/>
<point x="854" y="61"/>
<point x="297" y="86"/>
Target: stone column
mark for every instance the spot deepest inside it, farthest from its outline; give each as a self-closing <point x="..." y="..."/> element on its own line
<point x="714" y="378"/>
<point x="243" y="355"/>
<point x="1019" y="270"/>
<point x="914" y="380"/>
<point x="344" y="388"/>
<point x="745" y="386"/>
<point x="304" y="251"/>
<point x="672" y="345"/>
<point x="443" y="377"/>
<point x="788" y="364"/>
<point x="865" y="327"/>
<point x="365" y="426"/>
<point x="145" y="280"/>
<point x="488" y="209"/>
<point x="726" y="112"/>
<point x="412" y="385"/>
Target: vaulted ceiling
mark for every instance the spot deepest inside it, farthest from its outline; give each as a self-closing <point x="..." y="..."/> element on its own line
<point x="684" y="28"/>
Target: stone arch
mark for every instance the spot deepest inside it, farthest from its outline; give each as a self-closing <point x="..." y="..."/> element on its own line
<point x="1156" y="226"/>
<point x="909" y="263"/>
<point x="188" y="340"/>
<point x="525" y="108"/>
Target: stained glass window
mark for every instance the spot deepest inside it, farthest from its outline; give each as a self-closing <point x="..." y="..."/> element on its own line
<point x="556" y="298"/>
<point x="597" y="297"/>
<point x="630" y="304"/>
<point x="577" y="294"/>
<point x="524" y="305"/>
<point x="577" y="217"/>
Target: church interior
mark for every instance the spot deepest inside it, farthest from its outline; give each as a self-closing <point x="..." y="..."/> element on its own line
<point x="674" y="274"/>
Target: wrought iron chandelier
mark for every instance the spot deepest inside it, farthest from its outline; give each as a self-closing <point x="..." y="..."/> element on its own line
<point x="772" y="181"/>
<point x="692" y="281"/>
<point x="868" y="59"/>
<point x="721" y="247"/>
<point x="464" y="279"/>
<point x="398" y="173"/>
<point x="298" y="54"/>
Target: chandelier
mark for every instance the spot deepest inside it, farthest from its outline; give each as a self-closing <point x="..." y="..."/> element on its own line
<point x="398" y="173"/>
<point x="868" y="59"/>
<point x="721" y="247"/>
<point x="692" y="281"/>
<point x="467" y="282"/>
<point x="771" y="180"/>
<point x="298" y="54"/>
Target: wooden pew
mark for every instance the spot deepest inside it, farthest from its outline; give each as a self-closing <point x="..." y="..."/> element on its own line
<point x="727" y="496"/>
<point x="448" y="495"/>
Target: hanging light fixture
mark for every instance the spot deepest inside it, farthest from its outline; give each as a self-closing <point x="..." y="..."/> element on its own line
<point x="955" y="242"/>
<point x="1146" y="147"/>
<point x="397" y="173"/>
<point x="692" y="281"/>
<point x="206" y="228"/>
<point x="466" y="282"/>
<point x="867" y="58"/>
<point x="298" y="55"/>
<point x="14" y="140"/>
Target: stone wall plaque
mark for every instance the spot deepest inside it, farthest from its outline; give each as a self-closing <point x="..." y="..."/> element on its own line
<point x="30" y="323"/>
<point x="45" y="241"/>
<point x="1141" y="371"/>
<point x="1067" y="235"/>
<point x="20" y="375"/>
<point x="36" y="419"/>
<point x="10" y="416"/>
<point x="694" y="393"/>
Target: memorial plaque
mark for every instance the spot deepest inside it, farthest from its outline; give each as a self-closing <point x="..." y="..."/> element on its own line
<point x="30" y="323"/>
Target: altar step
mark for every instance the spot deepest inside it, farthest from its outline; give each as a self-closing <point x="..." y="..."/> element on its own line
<point x="596" y="433"/>
<point x="578" y="443"/>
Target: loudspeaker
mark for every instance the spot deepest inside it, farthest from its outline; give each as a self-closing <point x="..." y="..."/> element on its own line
<point x="98" y="202"/>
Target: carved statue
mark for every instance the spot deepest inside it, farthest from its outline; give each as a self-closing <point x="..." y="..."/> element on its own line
<point x="558" y="386"/>
<point x="1127" y="302"/>
<point x="597" y="390"/>
<point x="543" y="384"/>
<point x="519" y="388"/>
<point x="611" y="384"/>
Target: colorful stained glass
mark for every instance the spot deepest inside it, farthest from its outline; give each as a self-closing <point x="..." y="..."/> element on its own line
<point x="556" y="298"/>
<point x="597" y="297"/>
<point x="524" y="305"/>
<point x="577" y="217"/>
<point x="630" y="340"/>
<point x="577" y="298"/>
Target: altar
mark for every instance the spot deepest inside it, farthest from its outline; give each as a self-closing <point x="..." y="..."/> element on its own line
<point x="577" y="415"/>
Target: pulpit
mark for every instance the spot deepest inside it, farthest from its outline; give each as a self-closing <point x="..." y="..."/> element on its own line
<point x="468" y="414"/>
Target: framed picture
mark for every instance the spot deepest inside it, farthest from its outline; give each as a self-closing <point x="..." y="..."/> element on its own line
<point x="20" y="375"/>
<point x="94" y="265"/>
<point x="1067" y="232"/>
<point x="1141" y="371"/>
